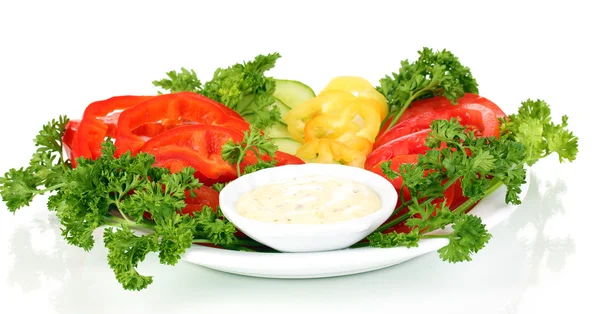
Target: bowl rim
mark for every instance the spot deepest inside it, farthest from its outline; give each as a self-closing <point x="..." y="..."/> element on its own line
<point x="384" y="189"/>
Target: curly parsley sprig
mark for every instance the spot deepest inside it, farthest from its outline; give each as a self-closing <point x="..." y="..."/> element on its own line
<point x="116" y="192"/>
<point x="46" y="167"/>
<point x="254" y="142"/>
<point x="244" y="87"/>
<point x="482" y="165"/>
<point x="433" y="74"/>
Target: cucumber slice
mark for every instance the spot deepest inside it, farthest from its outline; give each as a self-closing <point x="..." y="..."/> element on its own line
<point x="283" y="108"/>
<point x="279" y="130"/>
<point x="292" y="93"/>
<point x="287" y="145"/>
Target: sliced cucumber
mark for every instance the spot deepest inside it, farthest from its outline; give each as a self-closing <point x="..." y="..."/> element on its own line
<point x="279" y="130"/>
<point x="292" y="93"/>
<point x="283" y="108"/>
<point x="287" y="145"/>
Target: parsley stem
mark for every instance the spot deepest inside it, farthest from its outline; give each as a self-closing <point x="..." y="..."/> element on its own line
<point x="435" y="236"/>
<point x="404" y="205"/>
<point x="407" y="104"/>
<point x="495" y="184"/>
<point x="392" y="223"/>
<point x="239" y="242"/>
<point x="50" y="189"/>
<point x="360" y="244"/>
<point x="117" y="222"/>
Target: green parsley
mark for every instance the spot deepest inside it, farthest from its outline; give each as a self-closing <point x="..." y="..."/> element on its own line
<point x="482" y="165"/>
<point x="243" y="87"/>
<point x="254" y="143"/>
<point x="46" y="167"/>
<point x="433" y="74"/>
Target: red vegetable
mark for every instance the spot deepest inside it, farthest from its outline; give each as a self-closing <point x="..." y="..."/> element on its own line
<point x="197" y="146"/>
<point x="99" y="121"/>
<point x="166" y="111"/>
<point x="405" y="141"/>
<point x="68" y="138"/>
<point x="481" y="119"/>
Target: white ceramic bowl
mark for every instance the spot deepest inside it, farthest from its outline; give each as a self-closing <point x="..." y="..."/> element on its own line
<point x="308" y="237"/>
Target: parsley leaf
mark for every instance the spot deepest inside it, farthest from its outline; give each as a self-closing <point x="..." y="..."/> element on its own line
<point x="19" y="186"/>
<point x="117" y="191"/>
<point x="254" y="142"/>
<point x="533" y="128"/>
<point x="433" y="74"/>
<point x="394" y="239"/>
<point x="185" y="81"/>
<point x="242" y="87"/>
<point x="481" y="165"/>
<point x="469" y="236"/>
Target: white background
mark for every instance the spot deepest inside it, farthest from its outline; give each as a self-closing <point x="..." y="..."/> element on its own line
<point x="56" y="57"/>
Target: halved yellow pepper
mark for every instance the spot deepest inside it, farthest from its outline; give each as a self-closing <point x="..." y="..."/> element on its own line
<point x="328" y="151"/>
<point x="328" y="102"/>
<point x="354" y="120"/>
<point x="362" y="89"/>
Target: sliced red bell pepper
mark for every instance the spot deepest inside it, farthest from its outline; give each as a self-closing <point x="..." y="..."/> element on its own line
<point x="171" y="110"/>
<point x="99" y="121"/>
<point x="203" y="196"/>
<point x="198" y="146"/>
<point x="68" y="139"/>
<point x="479" y="118"/>
<point x="407" y="145"/>
<point x="281" y="159"/>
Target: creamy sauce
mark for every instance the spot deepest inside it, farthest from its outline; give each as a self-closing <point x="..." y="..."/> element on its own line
<point x="309" y="200"/>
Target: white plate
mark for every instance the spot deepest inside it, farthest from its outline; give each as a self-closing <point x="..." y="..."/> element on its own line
<point x="491" y="209"/>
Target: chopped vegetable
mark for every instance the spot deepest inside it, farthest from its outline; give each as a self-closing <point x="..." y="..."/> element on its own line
<point x="198" y="146"/>
<point x="167" y="111"/>
<point x="433" y="74"/>
<point x="482" y="164"/>
<point x="253" y="143"/>
<point x="325" y="103"/>
<point x="242" y="87"/>
<point x="475" y="113"/>
<point x="363" y="90"/>
<point x="327" y="151"/>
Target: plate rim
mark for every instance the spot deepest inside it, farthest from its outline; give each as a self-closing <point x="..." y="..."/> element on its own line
<point x="213" y="257"/>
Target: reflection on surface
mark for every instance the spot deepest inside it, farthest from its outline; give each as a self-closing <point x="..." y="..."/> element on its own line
<point x="497" y="275"/>
<point x="542" y="203"/>
<point x="42" y="260"/>
<point x="31" y="265"/>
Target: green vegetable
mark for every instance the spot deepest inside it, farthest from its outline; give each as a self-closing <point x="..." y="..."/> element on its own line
<point x="483" y="165"/>
<point x="433" y="74"/>
<point x="292" y="93"/>
<point x="242" y="87"/>
<point x="18" y="187"/>
<point x="253" y="142"/>
<point x="116" y="192"/>
<point x="287" y="145"/>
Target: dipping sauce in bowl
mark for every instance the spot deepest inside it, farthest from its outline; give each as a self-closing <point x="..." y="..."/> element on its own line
<point x="308" y="207"/>
<point x="313" y="199"/>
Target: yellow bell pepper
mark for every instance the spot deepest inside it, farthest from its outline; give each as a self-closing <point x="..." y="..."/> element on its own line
<point x="328" y="151"/>
<point x="362" y="89"/>
<point x="324" y="103"/>
<point x="361" y="144"/>
<point x="354" y="120"/>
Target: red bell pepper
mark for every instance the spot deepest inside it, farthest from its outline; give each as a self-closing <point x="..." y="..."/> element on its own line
<point x="198" y="146"/>
<point x="163" y="112"/>
<point x="99" y="121"/>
